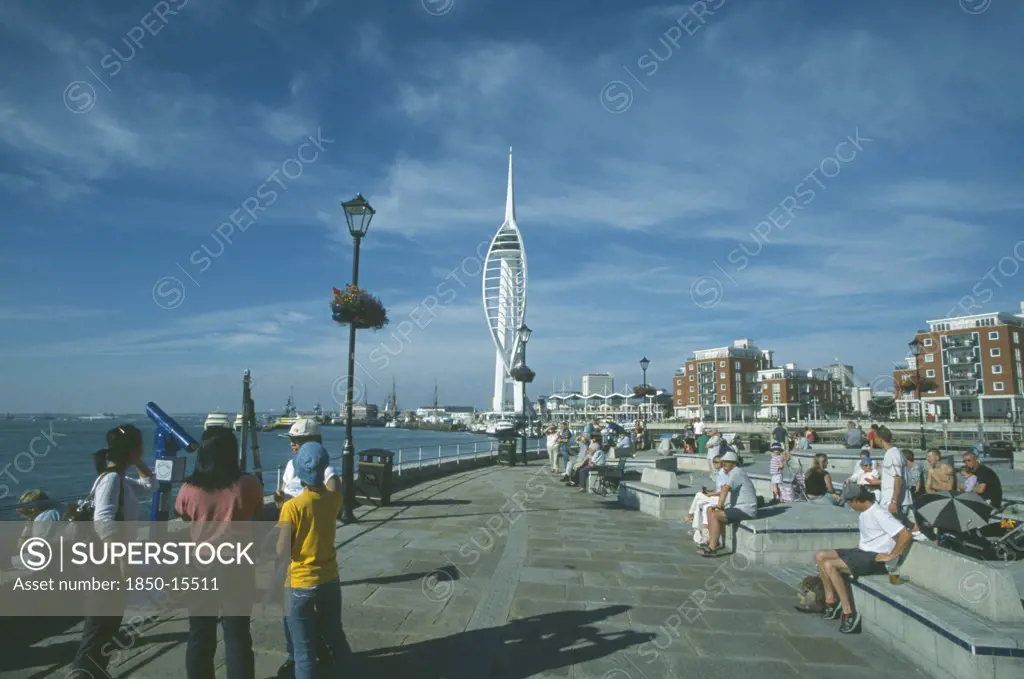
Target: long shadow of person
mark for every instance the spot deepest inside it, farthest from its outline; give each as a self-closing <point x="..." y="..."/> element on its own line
<point x="522" y="648"/>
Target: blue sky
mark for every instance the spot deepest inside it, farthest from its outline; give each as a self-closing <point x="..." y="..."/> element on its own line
<point x="651" y="142"/>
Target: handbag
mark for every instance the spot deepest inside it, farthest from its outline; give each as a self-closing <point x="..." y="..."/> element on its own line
<point x="85" y="510"/>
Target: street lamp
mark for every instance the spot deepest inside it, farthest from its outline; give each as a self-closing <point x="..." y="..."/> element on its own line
<point x="644" y="364"/>
<point x="524" y="375"/>
<point x="915" y="351"/>
<point x="358" y="214"/>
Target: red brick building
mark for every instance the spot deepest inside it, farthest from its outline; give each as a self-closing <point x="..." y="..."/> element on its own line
<point x="720" y="383"/>
<point x="967" y="367"/>
<point x="789" y="393"/>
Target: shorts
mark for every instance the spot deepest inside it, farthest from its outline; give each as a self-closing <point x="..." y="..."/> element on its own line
<point x="776" y="478"/>
<point x="735" y="515"/>
<point x="861" y="563"/>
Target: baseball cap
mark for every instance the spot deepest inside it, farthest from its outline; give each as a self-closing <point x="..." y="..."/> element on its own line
<point x="865" y="459"/>
<point x="776" y="446"/>
<point x="853" y="491"/>
<point x="310" y="463"/>
<point x="303" y="427"/>
<point x="730" y="457"/>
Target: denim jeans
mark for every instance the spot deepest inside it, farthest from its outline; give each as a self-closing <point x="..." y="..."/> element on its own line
<point x="316" y="612"/>
<point x="202" y="644"/>
<point x="826" y="499"/>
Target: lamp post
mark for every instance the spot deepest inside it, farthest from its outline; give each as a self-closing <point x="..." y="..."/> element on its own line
<point x="915" y="351"/>
<point x="358" y="214"/>
<point x="524" y="337"/>
<point x="644" y="364"/>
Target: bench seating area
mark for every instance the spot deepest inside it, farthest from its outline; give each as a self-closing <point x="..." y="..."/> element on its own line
<point x="792" y="533"/>
<point x="658" y="494"/>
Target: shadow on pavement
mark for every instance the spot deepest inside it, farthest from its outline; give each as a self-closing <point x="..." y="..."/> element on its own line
<point x="521" y="648"/>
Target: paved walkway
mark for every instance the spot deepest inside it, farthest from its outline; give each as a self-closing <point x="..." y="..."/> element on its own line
<point x="506" y="573"/>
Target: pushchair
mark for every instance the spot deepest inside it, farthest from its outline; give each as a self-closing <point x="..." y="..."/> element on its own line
<point x="792" y="487"/>
<point x="1001" y="538"/>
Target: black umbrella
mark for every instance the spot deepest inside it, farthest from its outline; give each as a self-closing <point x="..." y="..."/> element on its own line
<point x="954" y="512"/>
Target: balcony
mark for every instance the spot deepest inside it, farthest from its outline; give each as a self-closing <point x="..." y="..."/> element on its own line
<point x="963" y="375"/>
<point x="965" y="341"/>
<point x="969" y="359"/>
<point x="965" y="392"/>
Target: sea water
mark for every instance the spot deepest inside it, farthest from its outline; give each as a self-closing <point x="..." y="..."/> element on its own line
<point x="64" y="468"/>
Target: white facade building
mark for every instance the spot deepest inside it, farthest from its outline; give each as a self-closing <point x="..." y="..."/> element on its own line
<point x="598" y="383"/>
<point x="504" y="297"/>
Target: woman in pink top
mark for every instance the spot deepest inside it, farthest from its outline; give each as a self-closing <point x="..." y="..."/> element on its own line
<point x="218" y="492"/>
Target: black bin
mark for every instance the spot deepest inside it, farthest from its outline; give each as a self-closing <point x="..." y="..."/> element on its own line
<point x="374" y="479"/>
<point x="757" y="444"/>
<point x="507" y="448"/>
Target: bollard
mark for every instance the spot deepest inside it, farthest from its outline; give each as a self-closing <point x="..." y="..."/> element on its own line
<point x="456" y="453"/>
<point x="439" y="457"/>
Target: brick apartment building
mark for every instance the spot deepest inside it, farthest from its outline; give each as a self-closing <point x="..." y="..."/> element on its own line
<point x="720" y="383"/>
<point x="788" y="393"/>
<point x="968" y="367"/>
<point x="741" y="382"/>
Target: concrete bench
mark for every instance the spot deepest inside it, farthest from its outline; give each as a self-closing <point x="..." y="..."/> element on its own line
<point x="792" y="533"/>
<point x="657" y="494"/>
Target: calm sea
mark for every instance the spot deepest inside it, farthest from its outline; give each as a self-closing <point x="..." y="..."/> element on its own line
<point x="67" y="469"/>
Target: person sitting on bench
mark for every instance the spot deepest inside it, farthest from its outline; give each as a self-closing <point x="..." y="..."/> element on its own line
<point x="737" y="500"/>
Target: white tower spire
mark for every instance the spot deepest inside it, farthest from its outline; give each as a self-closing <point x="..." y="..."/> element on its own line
<point x="504" y="297"/>
<point x="510" y="198"/>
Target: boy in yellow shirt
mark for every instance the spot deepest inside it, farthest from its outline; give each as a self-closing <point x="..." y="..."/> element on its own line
<point x="307" y="537"/>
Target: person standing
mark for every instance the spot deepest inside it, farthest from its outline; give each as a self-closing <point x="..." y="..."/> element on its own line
<point x="115" y="501"/>
<point x="216" y="493"/>
<point x="698" y="427"/>
<point x="779" y="434"/>
<point x="552" y="445"/>
<point x="895" y="488"/>
<point x="308" y="526"/>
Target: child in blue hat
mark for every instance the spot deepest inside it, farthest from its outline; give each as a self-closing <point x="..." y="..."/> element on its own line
<point x="308" y="524"/>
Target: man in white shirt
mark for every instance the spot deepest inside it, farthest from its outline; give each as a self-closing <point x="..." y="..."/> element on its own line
<point x="737" y="500"/>
<point x="697" y="516"/>
<point x="698" y="427"/>
<point x="303" y="431"/>
<point x="895" y="495"/>
<point x="883" y="538"/>
<point x="552" y="441"/>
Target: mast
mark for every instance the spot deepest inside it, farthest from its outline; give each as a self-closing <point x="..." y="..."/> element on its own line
<point x="435" y="397"/>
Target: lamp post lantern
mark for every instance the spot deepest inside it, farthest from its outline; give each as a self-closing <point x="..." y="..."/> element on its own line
<point x="524" y="337"/>
<point x="358" y="215"/>
<point x="915" y="351"/>
<point x="644" y="364"/>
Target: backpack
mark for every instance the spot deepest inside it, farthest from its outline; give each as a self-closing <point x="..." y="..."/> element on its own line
<point x="810" y="595"/>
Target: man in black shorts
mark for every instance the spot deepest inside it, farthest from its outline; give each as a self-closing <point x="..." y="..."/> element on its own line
<point x="883" y="538"/>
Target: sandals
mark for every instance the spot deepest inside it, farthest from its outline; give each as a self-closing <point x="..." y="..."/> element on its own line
<point x="707" y="552"/>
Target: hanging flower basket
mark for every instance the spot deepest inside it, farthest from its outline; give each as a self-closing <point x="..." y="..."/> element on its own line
<point x="355" y="306"/>
<point x="645" y="391"/>
<point x="523" y="374"/>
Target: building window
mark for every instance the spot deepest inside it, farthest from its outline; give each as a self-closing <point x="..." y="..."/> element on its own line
<point x="721" y="387"/>
<point x="994" y="352"/>
<point x="929" y="358"/>
<point x="929" y="373"/>
<point x="993" y="335"/>
<point x="1016" y="338"/>
<point x="721" y="364"/>
<point x="736" y="365"/>
<point x="721" y="375"/>
<point x="679" y="381"/>
<point x="997" y="369"/>
<point x="997" y="386"/>
<point x="692" y="377"/>
<point x="691" y="389"/>
<point x="692" y="399"/>
<point x="927" y="341"/>
<point x="723" y="400"/>
<point x="679" y="402"/>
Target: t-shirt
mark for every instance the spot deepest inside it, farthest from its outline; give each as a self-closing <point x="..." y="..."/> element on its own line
<point x="698" y="428"/>
<point x="702" y="444"/>
<point x="893" y="465"/>
<point x="713" y="444"/>
<point x="564" y="438"/>
<point x="779" y="433"/>
<point x="290" y="483"/>
<point x="993" y="486"/>
<point x="775" y="465"/>
<point x="106" y="492"/>
<point x="872" y="438"/>
<point x="240" y="501"/>
<point x="311" y="518"/>
<point x="878" y="530"/>
<point x="46" y="523"/>
<point x="742" y="495"/>
<point x="853" y="437"/>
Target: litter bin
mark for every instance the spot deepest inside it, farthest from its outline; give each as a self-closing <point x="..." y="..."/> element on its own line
<point x="374" y="479"/>
<point x="756" y="444"/>
<point x="507" y="449"/>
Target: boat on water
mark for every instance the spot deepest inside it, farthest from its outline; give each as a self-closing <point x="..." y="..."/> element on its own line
<point x="391" y="424"/>
<point x="238" y="422"/>
<point x="217" y="419"/>
<point x="288" y="417"/>
<point x="95" y="418"/>
<point x="500" y="428"/>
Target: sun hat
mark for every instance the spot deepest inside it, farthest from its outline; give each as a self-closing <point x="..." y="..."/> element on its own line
<point x="310" y="463"/>
<point x="302" y="428"/>
<point x="776" y="446"/>
<point x="730" y="457"/>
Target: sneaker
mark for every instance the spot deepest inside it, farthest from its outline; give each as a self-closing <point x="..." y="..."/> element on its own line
<point x="850" y="623"/>
<point x="832" y="611"/>
<point x="287" y="670"/>
<point x="919" y="536"/>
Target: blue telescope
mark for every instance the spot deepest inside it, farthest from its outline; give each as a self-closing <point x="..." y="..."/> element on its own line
<point x="169" y="468"/>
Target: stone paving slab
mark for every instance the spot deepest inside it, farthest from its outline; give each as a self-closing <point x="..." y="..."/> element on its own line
<point x="505" y="573"/>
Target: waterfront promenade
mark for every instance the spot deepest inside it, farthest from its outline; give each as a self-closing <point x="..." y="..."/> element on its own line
<point x="504" y="572"/>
